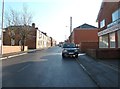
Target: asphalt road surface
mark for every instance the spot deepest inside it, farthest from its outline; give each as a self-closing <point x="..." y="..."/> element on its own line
<point x="44" y="68"/>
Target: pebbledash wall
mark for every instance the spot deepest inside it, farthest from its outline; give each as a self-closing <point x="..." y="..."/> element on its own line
<point x="109" y="33"/>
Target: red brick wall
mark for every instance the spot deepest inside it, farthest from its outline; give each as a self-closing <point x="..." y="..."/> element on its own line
<point x="31" y="40"/>
<point x="6" y="39"/>
<point x="104" y="53"/>
<point x="88" y="45"/>
<point x="85" y="35"/>
<point x="106" y="12"/>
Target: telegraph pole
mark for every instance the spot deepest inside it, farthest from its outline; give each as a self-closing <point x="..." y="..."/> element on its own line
<point x="1" y="51"/>
<point x="70" y="28"/>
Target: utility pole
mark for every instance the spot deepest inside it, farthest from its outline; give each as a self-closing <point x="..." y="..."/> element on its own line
<point x="70" y="28"/>
<point x="1" y="51"/>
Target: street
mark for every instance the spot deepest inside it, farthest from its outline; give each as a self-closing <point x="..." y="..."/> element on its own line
<point x="44" y="68"/>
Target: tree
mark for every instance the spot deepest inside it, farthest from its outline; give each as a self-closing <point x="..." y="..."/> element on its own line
<point x="12" y="21"/>
<point x="26" y="20"/>
<point x="19" y="22"/>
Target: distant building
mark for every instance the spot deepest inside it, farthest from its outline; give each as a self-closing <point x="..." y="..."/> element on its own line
<point x="35" y="39"/>
<point x="84" y="35"/>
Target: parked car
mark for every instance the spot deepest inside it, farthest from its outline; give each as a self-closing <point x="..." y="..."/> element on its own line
<point x="60" y="45"/>
<point x="69" y="49"/>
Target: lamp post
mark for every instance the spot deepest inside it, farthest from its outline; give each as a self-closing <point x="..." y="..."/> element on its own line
<point x="1" y="51"/>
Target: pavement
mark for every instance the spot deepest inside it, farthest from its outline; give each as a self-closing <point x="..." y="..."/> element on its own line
<point x="9" y="55"/>
<point x="104" y="72"/>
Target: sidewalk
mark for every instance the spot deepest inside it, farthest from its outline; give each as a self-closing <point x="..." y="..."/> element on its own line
<point x="112" y="62"/>
<point x="9" y="55"/>
<point x="104" y="74"/>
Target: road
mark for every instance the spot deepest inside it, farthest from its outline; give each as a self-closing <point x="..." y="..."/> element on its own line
<point x="44" y="68"/>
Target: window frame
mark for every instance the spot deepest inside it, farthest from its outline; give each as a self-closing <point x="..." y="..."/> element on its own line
<point x="102" y="23"/>
<point x="112" y="40"/>
<point x="116" y="15"/>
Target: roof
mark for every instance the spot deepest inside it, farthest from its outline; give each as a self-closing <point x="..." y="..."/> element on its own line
<point x="101" y="8"/>
<point x="86" y="26"/>
<point x="104" y="8"/>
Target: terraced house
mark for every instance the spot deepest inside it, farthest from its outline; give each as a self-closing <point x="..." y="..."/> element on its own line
<point x="35" y="38"/>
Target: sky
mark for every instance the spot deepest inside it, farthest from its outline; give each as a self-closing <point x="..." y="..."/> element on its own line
<point x="53" y="16"/>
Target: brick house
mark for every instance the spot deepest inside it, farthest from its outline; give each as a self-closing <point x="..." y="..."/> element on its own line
<point x="109" y="33"/>
<point x="109" y="24"/>
<point x="35" y="39"/>
<point x="85" y="36"/>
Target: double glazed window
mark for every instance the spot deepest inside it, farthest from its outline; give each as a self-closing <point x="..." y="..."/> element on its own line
<point x="103" y="41"/>
<point x="116" y="15"/>
<point x="102" y="23"/>
<point x="112" y="40"/>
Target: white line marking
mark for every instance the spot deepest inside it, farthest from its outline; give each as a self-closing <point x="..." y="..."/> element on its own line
<point x="81" y="65"/>
<point x="3" y="58"/>
<point x="13" y="56"/>
<point x="23" y="68"/>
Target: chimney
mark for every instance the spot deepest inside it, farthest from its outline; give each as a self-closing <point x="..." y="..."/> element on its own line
<point x="33" y="25"/>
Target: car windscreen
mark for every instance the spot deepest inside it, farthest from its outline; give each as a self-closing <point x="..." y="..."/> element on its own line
<point x="69" y="45"/>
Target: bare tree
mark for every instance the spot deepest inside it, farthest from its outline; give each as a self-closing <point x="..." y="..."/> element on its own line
<point x="20" y="22"/>
<point x="26" y="19"/>
<point x="12" y="21"/>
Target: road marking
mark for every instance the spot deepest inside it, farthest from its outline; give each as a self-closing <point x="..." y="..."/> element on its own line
<point x="12" y="56"/>
<point x="3" y="58"/>
<point x="89" y="74"/>
<point x="17" y="55"/>
<point x="81" y="64"/>
<point x="23" y="68"/>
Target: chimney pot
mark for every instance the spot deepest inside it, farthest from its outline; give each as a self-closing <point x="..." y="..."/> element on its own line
<point x="33" y="25"/>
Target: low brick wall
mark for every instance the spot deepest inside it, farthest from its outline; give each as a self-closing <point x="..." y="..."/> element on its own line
<point x="104" y="53"/>
<point x="12" y="49"/>
<point x="84" y="46"/>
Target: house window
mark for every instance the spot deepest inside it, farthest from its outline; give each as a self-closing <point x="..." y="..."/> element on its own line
<point x="112" y="40"/>
<point x="116" y="15"/>
<point x="118" y="38"/>
<point x="102" y="23"/>
<point x="103" y="41"/>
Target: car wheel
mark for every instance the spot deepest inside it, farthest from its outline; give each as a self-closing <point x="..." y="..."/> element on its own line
<point x="63" y="56"/>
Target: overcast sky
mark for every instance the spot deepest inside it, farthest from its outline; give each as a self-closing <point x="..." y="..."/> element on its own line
<point x="53" y="16"/>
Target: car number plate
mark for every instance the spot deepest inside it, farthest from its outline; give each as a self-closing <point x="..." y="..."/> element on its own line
<point x="71" y="53"/>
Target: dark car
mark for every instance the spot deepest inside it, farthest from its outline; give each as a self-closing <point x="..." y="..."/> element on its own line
<point x="69" y="49"/>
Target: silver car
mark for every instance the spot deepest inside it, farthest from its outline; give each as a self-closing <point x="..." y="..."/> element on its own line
<point x="69" y="49"/>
